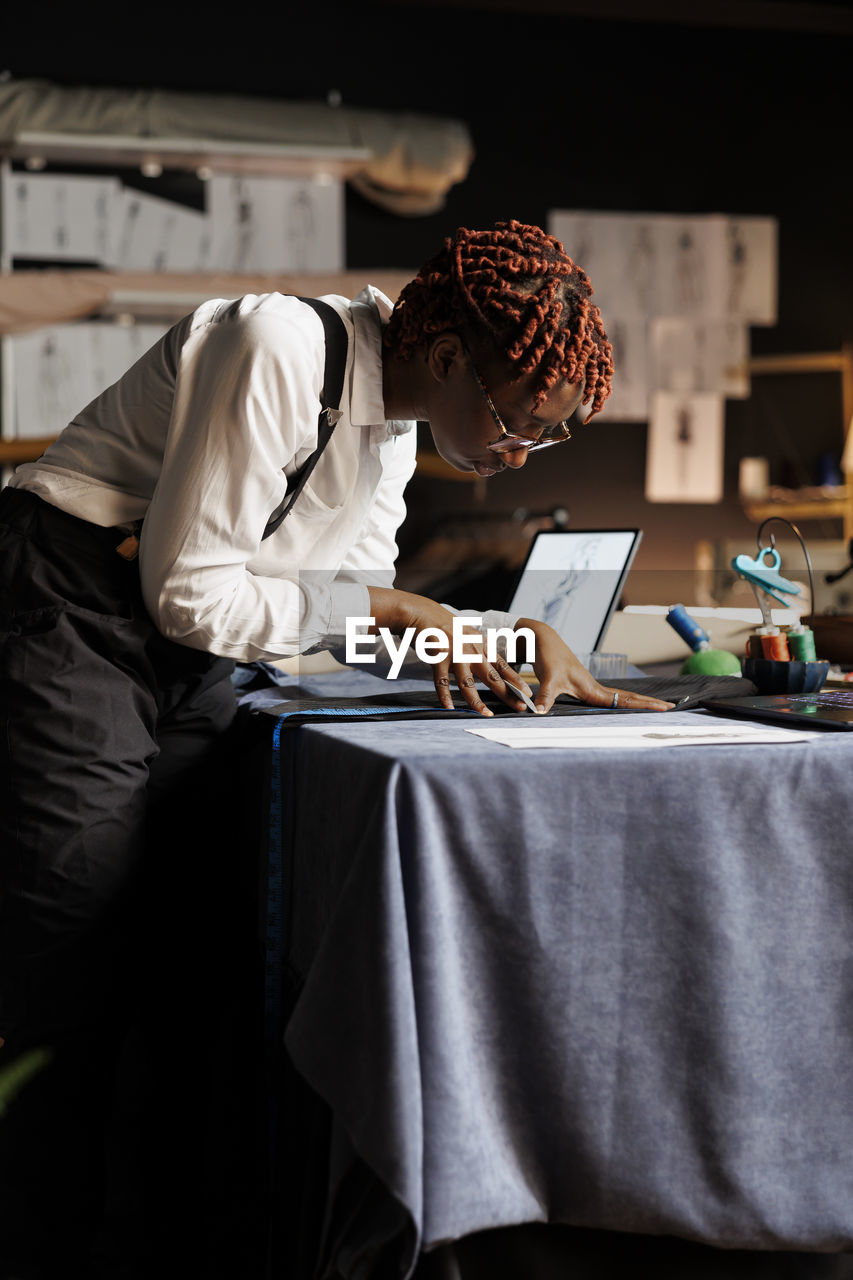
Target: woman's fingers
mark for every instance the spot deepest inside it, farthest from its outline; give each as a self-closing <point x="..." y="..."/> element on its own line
<point x="441" y="680"/>
<point x="597" y="695"/>
<point x="468" y="689"/>
<point x="503" y="680"/>
<point x="636" y="701"/>
<point x="466" y="684"/>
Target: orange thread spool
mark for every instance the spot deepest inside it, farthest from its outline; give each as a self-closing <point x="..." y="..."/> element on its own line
<point x="776" y="648"/>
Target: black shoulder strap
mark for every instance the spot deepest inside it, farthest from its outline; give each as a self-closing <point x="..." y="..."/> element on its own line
<point x="330" y="398"/>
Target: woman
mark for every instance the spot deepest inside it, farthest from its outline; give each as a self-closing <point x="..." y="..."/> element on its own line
<point x="120" y="636"/>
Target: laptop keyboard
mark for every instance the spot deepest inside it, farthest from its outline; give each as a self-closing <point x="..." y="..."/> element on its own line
<point x="842" y="697"/>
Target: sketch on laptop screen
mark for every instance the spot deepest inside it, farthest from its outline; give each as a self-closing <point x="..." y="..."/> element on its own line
<point x="571" y="581"/>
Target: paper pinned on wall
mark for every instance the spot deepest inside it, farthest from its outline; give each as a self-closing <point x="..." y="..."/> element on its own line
<point x="276" y="224"/>
<point x="52" y="379"/>
<point x="700" y="355"/>
<point x="59" y="370"/>
<point x="67" y="219"/>
<point x="746" y="288"/>
<point x="662" y="264"/>
<point x="160" y="235"/>
<point x="684" y="457"/>
<point x="690" y="258"/>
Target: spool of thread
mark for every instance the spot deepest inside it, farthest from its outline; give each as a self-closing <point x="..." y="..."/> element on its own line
<point x="753" y="646"/>
<point x="703" y="660"/>
<point x="689" y="630"/>
<point x="754" y="649"/>
<point x="801" y="644"/>
<point x="775" y="647"/>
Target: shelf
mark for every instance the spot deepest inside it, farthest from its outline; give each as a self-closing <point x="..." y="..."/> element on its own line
<point x="113" y="151"/>
<point x="23" y="450"/>
<point x="802" y="362"/>
<point x="807" y="509"/>
<point x="838" y="507"/>
<point x="808" y="505"/>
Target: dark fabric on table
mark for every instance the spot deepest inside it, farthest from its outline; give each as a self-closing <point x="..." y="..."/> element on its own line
<point x="606" y="990"/>
<point x="415" y="699"/>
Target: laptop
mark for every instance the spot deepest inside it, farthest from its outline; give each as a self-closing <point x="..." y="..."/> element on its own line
<point x="825" y="709"/>
<point x="572" y="579"/>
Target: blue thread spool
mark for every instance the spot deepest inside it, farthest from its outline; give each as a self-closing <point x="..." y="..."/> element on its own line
<point x="689" y="630"/>
<point x="704" y="660"/>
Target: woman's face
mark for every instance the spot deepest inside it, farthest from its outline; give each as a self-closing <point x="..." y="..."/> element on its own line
<point x="464" y="424"/>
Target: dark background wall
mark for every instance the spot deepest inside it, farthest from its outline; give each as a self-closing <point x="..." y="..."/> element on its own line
<point x="741" y="109"/>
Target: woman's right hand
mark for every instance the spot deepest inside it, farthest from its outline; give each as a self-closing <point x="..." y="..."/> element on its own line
<point x="399" y="610"/>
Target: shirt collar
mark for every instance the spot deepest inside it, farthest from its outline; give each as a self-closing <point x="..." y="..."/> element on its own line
<point x="370" y="310"/>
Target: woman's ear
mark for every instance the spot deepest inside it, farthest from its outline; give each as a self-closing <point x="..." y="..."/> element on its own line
<point x="446" y="356"/>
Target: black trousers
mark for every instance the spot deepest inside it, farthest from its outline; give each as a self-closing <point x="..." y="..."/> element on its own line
<point x="126" y="932"/>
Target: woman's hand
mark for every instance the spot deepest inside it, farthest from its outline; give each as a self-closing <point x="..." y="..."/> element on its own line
<point x="398" y="610"/>
<point x="559" y="671"/>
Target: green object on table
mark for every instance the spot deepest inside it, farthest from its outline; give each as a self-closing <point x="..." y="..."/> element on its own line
<point x="711" y="662"/>
<point x="801" y="645"/>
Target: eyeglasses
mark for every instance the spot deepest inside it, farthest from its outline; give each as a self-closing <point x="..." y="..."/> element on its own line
<point x="509" y="440"/>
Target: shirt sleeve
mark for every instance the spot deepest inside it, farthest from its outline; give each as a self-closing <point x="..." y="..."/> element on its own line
<point x="245" y="407"/>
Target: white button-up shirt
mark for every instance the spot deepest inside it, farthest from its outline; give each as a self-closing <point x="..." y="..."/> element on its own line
<point x="200" y="436"/>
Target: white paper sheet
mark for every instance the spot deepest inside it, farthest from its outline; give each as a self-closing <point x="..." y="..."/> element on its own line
<point x="51" y="377"/>
<point x="691" y="257"/>
<point x="684" y="455"/>
<point x="746" y="287"/>
<point x="587" y="737"/>
<point x="160" y="235"/>
<point x="61" y="218"/>
<point x="700" y="355"/>
<point x="59" y="370"/>
<point x="276" y="224"/>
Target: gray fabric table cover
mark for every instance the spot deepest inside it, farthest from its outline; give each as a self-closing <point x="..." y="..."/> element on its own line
<point x="611" y="990"/>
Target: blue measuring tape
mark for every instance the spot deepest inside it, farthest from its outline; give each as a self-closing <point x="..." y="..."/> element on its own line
<point x="274" y="922"/>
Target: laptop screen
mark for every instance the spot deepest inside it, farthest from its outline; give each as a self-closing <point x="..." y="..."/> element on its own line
<point x="572" y="580"/>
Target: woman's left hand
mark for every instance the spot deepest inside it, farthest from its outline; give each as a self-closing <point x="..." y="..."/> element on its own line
<point x="559" y="671"/>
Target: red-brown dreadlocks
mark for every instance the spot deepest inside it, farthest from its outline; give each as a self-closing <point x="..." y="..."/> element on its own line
<point x="514" y="287"/>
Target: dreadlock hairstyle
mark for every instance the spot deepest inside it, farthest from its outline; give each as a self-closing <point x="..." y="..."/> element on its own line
<point x="515" y="288"/>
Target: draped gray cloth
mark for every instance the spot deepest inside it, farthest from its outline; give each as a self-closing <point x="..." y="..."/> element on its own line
<point x="610" y="990"/>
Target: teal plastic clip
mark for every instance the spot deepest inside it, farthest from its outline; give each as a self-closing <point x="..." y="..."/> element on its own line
<point x="766" y="576"/>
